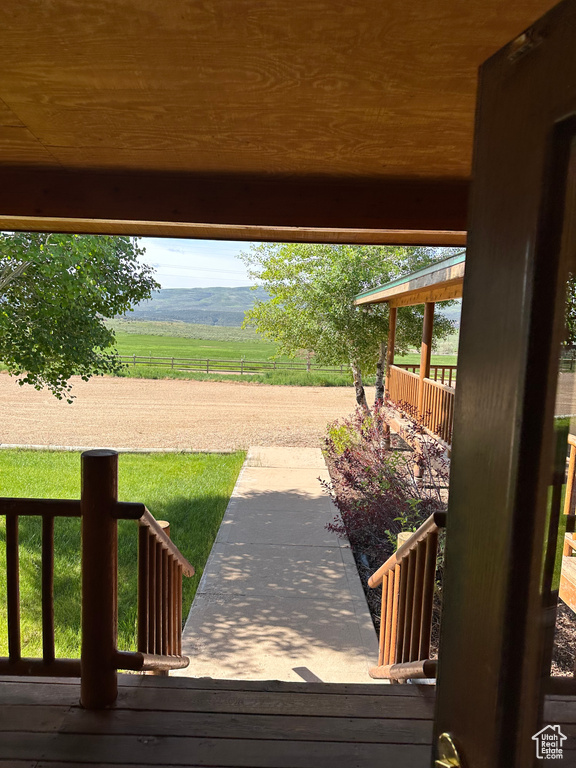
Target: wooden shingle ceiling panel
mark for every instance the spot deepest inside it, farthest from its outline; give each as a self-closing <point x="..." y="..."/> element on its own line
<point x="260" y="88"/>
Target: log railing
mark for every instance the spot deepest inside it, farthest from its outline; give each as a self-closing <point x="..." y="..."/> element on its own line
<point x="438" y="409"/>
<point x="408" y="582"/>
<point x="403" y="387"/>
<point x="160" y="570"/>
<point x="445" y="374"/>
<point x="427" y="400"/>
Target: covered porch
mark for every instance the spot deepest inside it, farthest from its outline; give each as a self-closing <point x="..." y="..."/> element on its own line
<point x="424" y="392"/>
<point x="329" y="122"/>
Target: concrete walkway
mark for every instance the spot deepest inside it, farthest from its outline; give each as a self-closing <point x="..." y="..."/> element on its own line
<point x="280" y="597"/>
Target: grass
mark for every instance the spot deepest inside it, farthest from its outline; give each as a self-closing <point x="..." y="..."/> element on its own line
<point x="284" y="378"/>
<point x="174" y="346"/>
<point x="414" y="359"/>
<point x="220" y="344"/>
<point x="191" y="491"/>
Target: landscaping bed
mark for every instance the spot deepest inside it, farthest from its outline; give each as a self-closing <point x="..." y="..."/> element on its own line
<point x="373" y="512"/>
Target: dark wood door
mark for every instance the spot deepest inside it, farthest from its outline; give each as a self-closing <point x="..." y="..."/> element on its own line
<point x="495" y="641"/>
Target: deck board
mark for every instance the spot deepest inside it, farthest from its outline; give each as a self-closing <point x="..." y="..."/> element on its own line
<point x="226" y="724"/>
<point x="252" y="702"/>
<point x="189" y="750"/>
<point x="230" y="724"/>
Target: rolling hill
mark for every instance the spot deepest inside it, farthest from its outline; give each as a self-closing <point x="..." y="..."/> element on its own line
<point x="207" y="306"/>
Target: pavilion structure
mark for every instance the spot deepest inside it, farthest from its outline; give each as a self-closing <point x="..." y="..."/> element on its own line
<point x="422" y="392"/>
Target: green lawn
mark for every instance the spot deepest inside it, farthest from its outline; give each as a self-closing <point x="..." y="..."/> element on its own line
<point x="414" y="359"/>
<point x="191" y="491"/>
<point x="156" y="345"/>
<point x="285" y="378"/>
<point x="173" y="346"/>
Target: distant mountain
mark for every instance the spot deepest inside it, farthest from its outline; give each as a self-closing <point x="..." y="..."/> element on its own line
<point x="452" y="313"/>
<point x="208" y="306"/>
<point x="216" y="306"/>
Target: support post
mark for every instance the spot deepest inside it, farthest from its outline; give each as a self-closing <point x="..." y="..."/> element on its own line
<point x="99" y="687"/>
<point x="391" y="345"/>
<point x="393" y="313"/>
<point x="425" y="353"/>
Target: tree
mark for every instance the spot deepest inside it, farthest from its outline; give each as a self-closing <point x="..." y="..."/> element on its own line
<point x="570" y="311"/>
<point x="311" y="290"/>
<point x="55" y="291"/>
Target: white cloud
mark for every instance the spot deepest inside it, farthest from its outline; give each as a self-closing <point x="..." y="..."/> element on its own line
<point x="195" y="263"/>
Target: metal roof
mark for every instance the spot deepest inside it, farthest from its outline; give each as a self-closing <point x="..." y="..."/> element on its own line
<point x="431" y="283"/>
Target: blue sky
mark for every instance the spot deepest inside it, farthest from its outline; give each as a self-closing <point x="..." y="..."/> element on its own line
<point x="195" y="263"/>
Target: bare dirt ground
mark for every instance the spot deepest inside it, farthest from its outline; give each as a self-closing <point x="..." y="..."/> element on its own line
<point x="170" y="414"/>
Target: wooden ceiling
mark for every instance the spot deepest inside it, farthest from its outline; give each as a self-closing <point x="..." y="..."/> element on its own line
<point x="239" y="117"/>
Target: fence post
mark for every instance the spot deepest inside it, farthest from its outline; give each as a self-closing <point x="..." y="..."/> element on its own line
<point x="172" y="362"/>
<point x="99" y="684"/>
<point x="134" y="361"/>
<point x="207" y="366"/>
<point x="242" y="366"/>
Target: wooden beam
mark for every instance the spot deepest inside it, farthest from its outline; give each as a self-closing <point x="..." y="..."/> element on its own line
<point x="437" y="283"/>
<point x="440" y="293"/>
<point x="235" y="206"/>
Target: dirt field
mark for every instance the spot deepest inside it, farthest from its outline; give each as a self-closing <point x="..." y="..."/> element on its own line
<point x="170" y="414"/>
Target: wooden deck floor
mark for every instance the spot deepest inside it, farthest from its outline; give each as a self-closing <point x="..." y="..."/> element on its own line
<point x="187" y="722"/>
<point x="178" y="721"/>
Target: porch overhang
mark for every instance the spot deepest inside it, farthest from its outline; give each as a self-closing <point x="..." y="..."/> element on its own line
<point x="439" y="282"/>
<point x="276" y="120"/>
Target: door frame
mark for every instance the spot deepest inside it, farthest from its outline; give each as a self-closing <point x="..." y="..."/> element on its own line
<point x="496" y="624"/>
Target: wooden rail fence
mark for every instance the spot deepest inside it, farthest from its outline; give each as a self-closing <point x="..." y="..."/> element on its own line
<point x="207" y="365"/>
<point x="408" y="582"/>
<point x="160" y="570"/>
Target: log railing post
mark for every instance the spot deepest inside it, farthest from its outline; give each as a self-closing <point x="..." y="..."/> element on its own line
<point x="425" y="354"/>
<point x="391" y="345"/>
<point x="99" y="686"/>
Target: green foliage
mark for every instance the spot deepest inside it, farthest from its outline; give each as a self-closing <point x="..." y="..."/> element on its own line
<point x="570" y="310"/>
<point x="341" y="437"/>
<point x="312" y="288"/>
<point x="376" y="489"/>
<point x="191" y="491"/>
<point x="55" y="291"/>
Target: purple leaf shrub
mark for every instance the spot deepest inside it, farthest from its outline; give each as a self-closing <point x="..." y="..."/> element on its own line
<point x="380" y="492"/>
